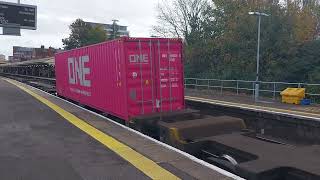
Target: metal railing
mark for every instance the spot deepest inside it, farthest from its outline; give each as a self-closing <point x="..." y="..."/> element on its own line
<point x="267" y="89"/>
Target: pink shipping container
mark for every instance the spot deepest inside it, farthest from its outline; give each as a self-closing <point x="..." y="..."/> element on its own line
<point x="126" y="77"/>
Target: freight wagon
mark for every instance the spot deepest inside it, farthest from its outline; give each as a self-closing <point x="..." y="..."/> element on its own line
<point x="126" y="77"/>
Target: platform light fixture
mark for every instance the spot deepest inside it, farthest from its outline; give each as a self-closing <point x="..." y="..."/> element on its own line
<point x="258" y="14"/>
<point x="114" y="24"/>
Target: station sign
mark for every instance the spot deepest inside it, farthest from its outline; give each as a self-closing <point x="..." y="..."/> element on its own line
<point x="18" y="15"/>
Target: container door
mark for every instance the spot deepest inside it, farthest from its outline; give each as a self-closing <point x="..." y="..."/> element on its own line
<point x="169" y="76"/>
<point x="140" y="78"/>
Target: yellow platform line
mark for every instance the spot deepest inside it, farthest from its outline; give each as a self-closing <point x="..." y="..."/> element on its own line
<point x="212" y="101"/>
<point x="147" y="166"/>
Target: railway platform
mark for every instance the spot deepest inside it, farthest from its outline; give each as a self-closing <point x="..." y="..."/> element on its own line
<point x="248" y="103"/>
<point x="45" y="137"/>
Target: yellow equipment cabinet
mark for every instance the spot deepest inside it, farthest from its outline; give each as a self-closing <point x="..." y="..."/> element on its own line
<point x="293" y="95"/>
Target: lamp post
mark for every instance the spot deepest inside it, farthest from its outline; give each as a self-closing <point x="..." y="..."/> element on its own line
<point x="114" y="27"/>
<point x="256" y="92"/>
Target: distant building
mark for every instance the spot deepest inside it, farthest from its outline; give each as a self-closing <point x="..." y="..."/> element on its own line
<point x="10" y="59"/>
<point x="28" y="53"/>
<point x="2" y="57"/>
<point x="122" y="31"/>
<point x="22" y="53"/>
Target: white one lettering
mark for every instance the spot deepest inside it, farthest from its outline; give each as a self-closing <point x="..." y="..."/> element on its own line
<point x="136" y="58"/>
<point x="78" y="71"/>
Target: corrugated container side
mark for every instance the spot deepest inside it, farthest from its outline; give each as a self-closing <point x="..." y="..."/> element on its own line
<point x="92" y="77"/>
<point x="127" y="77"/>
<point x="154" y="76"/>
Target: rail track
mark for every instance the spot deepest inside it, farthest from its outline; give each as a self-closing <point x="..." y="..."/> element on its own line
<point x="228" y="140"/>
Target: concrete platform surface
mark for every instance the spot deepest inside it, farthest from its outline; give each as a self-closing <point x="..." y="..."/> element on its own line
<point x="54" y="139"/>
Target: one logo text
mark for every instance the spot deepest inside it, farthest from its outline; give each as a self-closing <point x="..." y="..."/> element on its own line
<point x="136" y="58"/>
<point x="77" y="71"/>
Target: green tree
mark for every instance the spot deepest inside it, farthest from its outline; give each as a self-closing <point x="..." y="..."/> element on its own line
<point x="83" y="34"/>
<point x="221" y="39"/>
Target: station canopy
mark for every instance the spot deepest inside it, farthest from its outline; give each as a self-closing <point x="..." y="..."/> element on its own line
<point x="44" y="61"/>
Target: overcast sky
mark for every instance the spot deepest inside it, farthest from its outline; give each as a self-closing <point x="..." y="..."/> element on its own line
<point x="54" y="16"/>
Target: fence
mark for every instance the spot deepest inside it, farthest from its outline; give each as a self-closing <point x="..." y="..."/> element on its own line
<point x="267" y="89"/>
